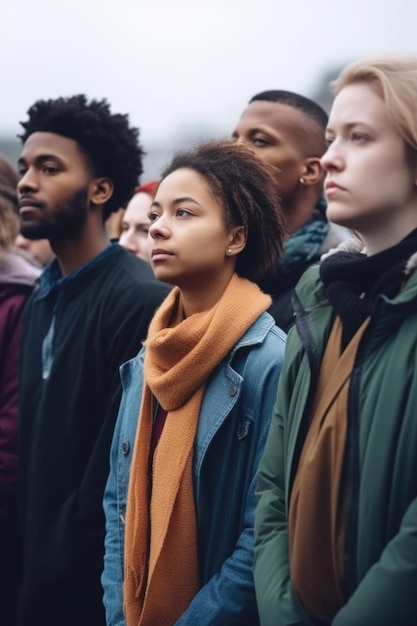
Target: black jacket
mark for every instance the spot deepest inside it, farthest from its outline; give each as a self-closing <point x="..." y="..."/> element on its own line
<point x="77" y="331"/>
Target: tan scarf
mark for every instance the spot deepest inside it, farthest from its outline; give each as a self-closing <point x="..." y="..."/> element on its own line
<point x="161" y="567"/>
<point x="316" y="519"/>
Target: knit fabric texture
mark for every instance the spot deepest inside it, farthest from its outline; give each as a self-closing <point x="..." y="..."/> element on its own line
<point x="161" y="561"/>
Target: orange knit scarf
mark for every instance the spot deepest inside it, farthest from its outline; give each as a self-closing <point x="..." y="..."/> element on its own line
<point x="161" y="567"/>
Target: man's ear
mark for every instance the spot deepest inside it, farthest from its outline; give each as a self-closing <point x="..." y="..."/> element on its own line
<point x="313" y="172"/>
<point x="101" y="190"/>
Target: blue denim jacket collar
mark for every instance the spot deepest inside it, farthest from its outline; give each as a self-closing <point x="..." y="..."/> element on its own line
<point x="133" y="371"/>
<point x="244" y="375"/>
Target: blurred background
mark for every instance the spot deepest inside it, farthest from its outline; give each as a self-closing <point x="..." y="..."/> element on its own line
<point x="184" y="70"/>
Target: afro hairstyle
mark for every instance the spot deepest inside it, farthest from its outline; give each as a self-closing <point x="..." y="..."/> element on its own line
<point x="110" y="145"/>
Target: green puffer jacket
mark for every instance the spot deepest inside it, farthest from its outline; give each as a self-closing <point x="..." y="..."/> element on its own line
<point x="381" y="475"/>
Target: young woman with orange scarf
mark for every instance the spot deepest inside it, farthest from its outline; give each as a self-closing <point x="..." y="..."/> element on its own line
<point x="197" y="400"/>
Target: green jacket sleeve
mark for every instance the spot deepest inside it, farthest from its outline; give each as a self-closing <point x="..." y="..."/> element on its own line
<point x="387" y="594"/>
<point x="277" y="603"/>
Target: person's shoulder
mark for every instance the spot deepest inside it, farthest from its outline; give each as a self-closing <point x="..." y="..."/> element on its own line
<point x="127" y="264"/>
<point x="308" y="292"/>
<point x="13" y="299"/>
<point x="265" y="340"/>
<point x="16" y="271"/>
<point x="310" y="276"/>
<point x="135" y="275"/>
<point x="273" y="346"/>
<point x="275" y="335"/>
<point x="260" y="329"/>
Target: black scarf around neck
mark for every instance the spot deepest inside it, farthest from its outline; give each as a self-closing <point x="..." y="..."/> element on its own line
<point x="353" y="281"/>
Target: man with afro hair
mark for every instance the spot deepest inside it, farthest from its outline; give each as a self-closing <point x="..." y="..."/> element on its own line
<point x="90" y="313"/>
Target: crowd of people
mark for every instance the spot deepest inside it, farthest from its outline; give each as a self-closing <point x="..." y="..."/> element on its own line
<point x="208" y="381"/>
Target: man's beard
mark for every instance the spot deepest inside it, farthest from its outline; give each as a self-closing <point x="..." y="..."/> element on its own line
<point x="65" y="224"/>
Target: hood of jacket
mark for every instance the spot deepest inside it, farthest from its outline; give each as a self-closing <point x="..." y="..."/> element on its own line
<point x="16" y="270"/>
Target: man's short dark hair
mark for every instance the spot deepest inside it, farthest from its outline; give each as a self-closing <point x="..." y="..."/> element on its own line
<point x="295" y="100"/>
<point x="109" y="143"/>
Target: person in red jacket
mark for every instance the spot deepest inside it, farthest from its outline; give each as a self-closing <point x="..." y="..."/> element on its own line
<point x="17" y="278"/>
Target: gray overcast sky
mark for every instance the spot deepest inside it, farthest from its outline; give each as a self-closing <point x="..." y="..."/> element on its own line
<point x="185" y="65"/>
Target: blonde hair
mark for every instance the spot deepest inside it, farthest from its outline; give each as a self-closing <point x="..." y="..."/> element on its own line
<point x="394" y="79"/>
<point x="9" y="220"/>
<point x="9" y="224"/>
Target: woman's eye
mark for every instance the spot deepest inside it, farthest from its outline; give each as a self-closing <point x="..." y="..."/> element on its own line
<point x="183" y="213"/>
<point x="153" y="216"/>
<point x="359" y="137"/>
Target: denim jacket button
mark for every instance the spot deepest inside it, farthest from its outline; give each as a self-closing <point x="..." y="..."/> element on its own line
<point x="233" y="391"/>
<point x="125" y="447"/>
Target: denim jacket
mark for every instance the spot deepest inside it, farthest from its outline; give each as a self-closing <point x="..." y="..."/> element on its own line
<point x="232" y="428"/>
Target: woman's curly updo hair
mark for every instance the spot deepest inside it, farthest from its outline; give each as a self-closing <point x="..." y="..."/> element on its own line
<point x="246" y="187"/>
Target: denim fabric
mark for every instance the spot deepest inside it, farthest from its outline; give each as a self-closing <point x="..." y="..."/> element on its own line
<point x="232" y="429"/>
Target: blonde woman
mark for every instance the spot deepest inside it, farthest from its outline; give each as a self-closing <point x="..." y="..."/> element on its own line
<point x="336" y="521"/>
